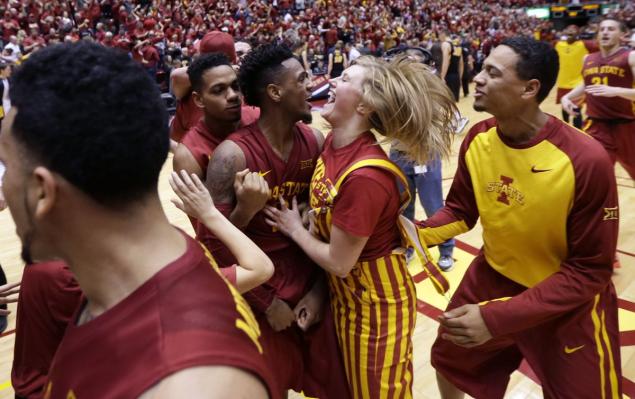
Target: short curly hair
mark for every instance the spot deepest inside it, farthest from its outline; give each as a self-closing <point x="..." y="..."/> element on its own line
<point x="202" y="64"/>
<point x="94" y="116"/>
<point x="260" y="68"/>
<point x="537" y="60"/>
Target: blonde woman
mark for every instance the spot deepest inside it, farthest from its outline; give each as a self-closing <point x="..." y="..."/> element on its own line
<point x="356" y="204"/>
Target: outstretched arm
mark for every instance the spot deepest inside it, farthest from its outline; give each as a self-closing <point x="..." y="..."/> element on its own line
<point x="254" y="266"/>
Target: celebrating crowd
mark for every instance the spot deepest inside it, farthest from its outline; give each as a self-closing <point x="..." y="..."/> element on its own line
<point x="163" y="35"/>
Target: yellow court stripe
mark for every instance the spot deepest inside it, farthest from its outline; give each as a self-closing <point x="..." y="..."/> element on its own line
<point x="5" y="385"/>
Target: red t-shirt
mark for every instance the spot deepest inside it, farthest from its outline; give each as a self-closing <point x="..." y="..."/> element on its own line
<point x="49" y="296"/>
<point x="367" y="203"/>
<point x="185" y="316"/>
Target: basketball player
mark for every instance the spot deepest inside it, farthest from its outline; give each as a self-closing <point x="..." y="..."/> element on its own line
<point x="338" y="61"/>
<point x="373" y="296"/>
<point x="280" y="150"/>
<point x="187" y="112"/>
<point x="81" y="189"/>
<point x="49" y="297"/>
<point x="610" y="96"/>
<point x="215" y="91"/>
<point x="540" y="288"/>
<point x="571" y="53"/>
<point x="452" y="63"/>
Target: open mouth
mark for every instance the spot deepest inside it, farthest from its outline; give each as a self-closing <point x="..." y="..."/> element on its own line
<point x="331" y="98"/>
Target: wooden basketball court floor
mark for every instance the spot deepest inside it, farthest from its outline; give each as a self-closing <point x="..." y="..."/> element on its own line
<point x="523" y="383"/>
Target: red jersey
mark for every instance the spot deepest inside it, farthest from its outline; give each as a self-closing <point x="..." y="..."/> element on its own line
<point x="49" y="296"/>
<point x="185" y="316"/>
<point x="294" y="271"/>
<point x="615" y="71"/>
<point x="202" y="142"/>
<point x="187" y="114"/>
<point x="367" y="203"/>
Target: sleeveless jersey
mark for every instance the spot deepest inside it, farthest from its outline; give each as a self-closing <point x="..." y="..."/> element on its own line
<point x="202" y="142"/>
<point x="571" y="58"/>
<point x="185" y="316"/>
<point x="286" y="179"/>
<point x="615" y="71"/>
<point x="338" y="63"/>
<point x="455" y="57"/>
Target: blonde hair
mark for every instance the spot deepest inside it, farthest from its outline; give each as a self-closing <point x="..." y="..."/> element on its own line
<point x="410" y="105"/>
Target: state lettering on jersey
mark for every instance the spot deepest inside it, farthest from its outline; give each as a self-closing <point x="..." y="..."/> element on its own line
<point x="288" y="189"/>
<point x="505" y="191"/>
<point x="605" y="70"/>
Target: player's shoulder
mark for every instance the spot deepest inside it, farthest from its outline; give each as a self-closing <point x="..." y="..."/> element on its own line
<point x="485" y="126"/>
<point x="582" y="149"/>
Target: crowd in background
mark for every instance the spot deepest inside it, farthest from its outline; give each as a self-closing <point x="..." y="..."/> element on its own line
<point x="164" y="34"/>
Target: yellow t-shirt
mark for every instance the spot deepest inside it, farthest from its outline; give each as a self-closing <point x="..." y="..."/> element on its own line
<point x="571" y="60"/>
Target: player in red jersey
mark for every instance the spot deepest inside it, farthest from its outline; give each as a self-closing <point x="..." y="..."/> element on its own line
<point x="610" y="96"/>
<point x="158" y="319"/>
<point x="280" y="152"/>
<point x="357" y="204"/>
<point x="187" y="112"/>
<point x="540" y="289"/>
<point x="49" y="297"/>
<point x="215" y="90"/>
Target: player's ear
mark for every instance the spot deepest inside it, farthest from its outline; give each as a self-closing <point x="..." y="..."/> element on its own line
<point x="532" y="87"/>
<point x="43" y="190"/>
<point x="198" y="101"/>
<point x="274" y="92"/>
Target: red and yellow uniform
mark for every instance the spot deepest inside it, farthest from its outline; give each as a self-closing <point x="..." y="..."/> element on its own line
<point x="611" y="120"/>
<point x="201" y="142"/>
<point x="301" y="361"/>
<point x="49" y="296"/>
<point x="374" y="307"/>
<point x="185" y="316"/>
<point x="571" y="58"/>
<point x="549" y="213"/>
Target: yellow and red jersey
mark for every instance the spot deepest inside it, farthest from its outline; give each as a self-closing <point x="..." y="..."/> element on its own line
<point x="571" y="58"/>
<point x="549" y="213"/>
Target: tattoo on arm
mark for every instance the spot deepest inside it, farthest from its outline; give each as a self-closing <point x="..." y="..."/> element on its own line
<point x="221" y="171"/>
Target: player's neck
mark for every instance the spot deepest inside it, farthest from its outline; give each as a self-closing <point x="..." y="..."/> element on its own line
<point x="522" y="127"/>
<point x="220" y="128"/>
<point x="347" y="132"/>
<point x="278" y="128"/>
<point x="112" y="253"/>
<point x="609" y="51"/>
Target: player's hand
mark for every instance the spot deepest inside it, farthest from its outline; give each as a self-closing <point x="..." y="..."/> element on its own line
<point x="252" y="191"/>
<point x="286" y="220"/>
<point x="464" y="326"/>
<point x="569" y="106"/>
<point x="8" y="295"/>
<point x="195" y="200"/>
<point x="310" y="308"/>
<point x="602" y="90"/>
<point x="279" y="315"/>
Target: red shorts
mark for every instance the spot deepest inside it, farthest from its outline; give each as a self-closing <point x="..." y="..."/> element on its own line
<point x="576" y="355"/>
<point x="308" y="362"/>
<point x="617" y="138"/>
